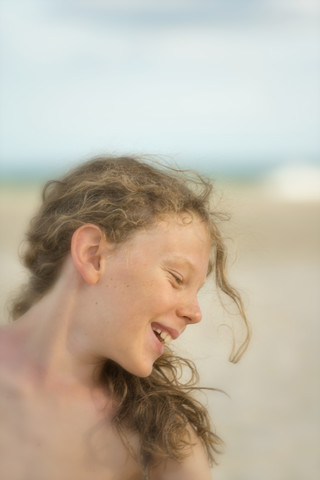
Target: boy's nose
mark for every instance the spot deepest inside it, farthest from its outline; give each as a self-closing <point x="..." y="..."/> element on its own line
<point x="192" y="313"/>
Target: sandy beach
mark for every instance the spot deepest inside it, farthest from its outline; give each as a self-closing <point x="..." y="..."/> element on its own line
<point x="270" y="420"/>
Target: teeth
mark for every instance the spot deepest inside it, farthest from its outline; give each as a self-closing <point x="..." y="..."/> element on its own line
<point x="165" y="336"/>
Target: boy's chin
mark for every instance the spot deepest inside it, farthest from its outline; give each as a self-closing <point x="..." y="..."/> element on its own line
<point x="141" y="371"/>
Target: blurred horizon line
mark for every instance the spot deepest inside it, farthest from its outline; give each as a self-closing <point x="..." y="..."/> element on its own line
<point x="222" y="167"/>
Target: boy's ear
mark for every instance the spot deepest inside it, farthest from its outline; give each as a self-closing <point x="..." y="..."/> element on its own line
<point x="87" y="245"/>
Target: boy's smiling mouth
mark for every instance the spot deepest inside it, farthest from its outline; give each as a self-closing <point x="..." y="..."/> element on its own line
<point x="162" y="335"/>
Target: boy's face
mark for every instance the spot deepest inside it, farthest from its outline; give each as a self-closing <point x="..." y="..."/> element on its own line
<point x="147" y="293"/>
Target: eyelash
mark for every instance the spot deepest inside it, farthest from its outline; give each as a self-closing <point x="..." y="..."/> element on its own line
<point x="176" y="278"/>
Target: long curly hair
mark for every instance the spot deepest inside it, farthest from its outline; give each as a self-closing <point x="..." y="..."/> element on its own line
<point x="123" y="195"/>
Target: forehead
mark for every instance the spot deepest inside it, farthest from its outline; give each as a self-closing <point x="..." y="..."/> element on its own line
<point x="177" y="225"/>
<point x="177" y="235"/>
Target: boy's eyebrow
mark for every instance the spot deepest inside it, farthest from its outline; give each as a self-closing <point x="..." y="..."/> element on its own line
<point x="182" y="259"/>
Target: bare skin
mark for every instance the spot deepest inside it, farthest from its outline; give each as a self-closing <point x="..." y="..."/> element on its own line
<point x="56" y="420"/>
<point x="56" y="429"/>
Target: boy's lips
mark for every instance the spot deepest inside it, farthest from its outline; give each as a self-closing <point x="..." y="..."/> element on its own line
<point x="163" y="333"/>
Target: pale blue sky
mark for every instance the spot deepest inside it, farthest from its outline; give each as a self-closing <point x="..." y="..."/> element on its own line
<point x="233" y="81"/>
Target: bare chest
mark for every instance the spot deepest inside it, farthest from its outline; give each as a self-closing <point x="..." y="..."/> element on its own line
<point x="49" y="438"/>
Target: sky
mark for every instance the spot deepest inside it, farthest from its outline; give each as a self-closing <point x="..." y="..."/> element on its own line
<point x="208" y="82"/>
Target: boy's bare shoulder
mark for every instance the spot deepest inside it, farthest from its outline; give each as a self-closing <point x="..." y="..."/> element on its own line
<point x="195" y="465"/>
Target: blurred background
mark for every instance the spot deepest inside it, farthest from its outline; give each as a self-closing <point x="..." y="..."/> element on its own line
<point x="230" y="87"/>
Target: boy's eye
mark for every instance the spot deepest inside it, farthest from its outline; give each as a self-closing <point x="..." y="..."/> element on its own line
<point x="177" y="278"/>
